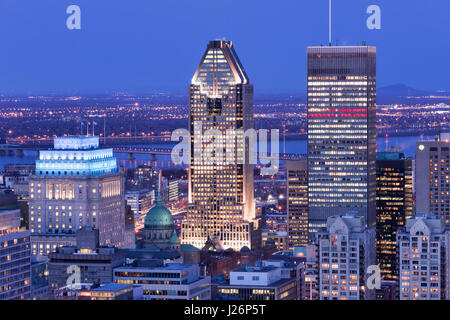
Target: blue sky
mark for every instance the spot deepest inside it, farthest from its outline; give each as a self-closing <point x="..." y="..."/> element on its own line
<point x="145" y="46"/>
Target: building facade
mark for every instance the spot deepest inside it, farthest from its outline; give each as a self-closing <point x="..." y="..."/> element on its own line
<point x="220" y="189"/>
<point x="341" y="133"/>
<point x="267" y="280"/>
<point x="141" y="202"/>
<point x="432" y="177"/>
<point x="424" y="269"/>
<point x="94" y="263"/>
<point x="15" y="257"/>
<point x="297" y="202"/>
<point x="76" y="185"/>
<point x="346" y="249"/>
<point x="394" y="206"/>
<point x="166" y="282"/>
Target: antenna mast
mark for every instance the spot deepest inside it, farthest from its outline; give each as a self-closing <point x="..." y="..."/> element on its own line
<point x="329" y="23"/>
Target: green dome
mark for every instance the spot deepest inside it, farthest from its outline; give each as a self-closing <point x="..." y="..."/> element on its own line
<point x="158" y="217"/>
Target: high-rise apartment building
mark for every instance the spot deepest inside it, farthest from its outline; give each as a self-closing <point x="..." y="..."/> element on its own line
<point x="394" y="206"/>
<point x="346" y="249"/>
<point x="77" y="184"/>
<point x="424" y="269"/>
<point x="432" y="177"/>
<point x="341" y="133"/>
<point x="297" y="202"/>
<point x="220" y="188"/>
<point x="15" y="257"/>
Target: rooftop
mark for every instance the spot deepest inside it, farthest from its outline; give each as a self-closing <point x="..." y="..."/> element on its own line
<point x="113" y="287"/>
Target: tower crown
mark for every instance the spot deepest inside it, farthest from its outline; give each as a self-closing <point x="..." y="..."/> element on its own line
<point x="219" y="68"/>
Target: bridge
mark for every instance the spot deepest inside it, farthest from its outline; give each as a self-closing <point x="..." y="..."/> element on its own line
<point x="18" y="149"/>
<point x="12" y="150"/>
<point x="168" y="151"/>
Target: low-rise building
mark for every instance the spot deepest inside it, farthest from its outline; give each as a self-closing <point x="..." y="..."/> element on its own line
<point x="173" y="281"/>
<point x="264" y="281"/>
<point x="93" y="263"/>
<point x="116" y="291"/>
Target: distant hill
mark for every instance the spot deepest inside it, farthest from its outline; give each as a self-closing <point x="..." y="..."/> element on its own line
<point x="401" y="90"/>
<point x="400" y="93"/>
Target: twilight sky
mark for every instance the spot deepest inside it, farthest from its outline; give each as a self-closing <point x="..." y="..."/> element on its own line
<point x="147" y="46"/>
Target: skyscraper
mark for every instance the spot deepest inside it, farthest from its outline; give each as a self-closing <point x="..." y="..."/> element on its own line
<point x="297" y="202"/>
<point x="220" y="191"/>
<point x="394" y="206"/>
<point x="76" y="185"/>
<point x="341" y="133"/>
<point x="432" y="177"/>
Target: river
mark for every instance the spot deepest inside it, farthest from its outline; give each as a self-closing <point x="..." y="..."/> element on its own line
<point x="405" y="143"/>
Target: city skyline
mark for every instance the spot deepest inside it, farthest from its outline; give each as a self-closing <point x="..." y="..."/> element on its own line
<point x="124" y="195"/>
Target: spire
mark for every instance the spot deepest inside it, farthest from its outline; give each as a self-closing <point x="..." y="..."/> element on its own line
<point x="159" y="201"/>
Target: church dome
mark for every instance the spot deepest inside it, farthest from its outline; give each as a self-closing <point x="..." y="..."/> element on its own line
<point x="159" y="217"/>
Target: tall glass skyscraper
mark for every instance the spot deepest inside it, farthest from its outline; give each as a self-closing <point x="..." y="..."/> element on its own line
<point x="220" y="191"/>
<point x="394" y="207"/>
<point x="341" y="133"/>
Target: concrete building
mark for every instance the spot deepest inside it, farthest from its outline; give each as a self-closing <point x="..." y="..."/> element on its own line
<point x="140" y="202"/>
<point x="424" y="268"/>
<point x="387" y="291"/>
<point x="346" y="249"/>
<point x="76" y="185"/>
<point x="279" y="239"/>
<point x="173" y="190"/>
<point x="94" y="263"/>
<point x="39" y="278"/>
<point x="165" y="281"/>
<point x="16" y="177"/>
<point x="267" y="280"/>
<point x="432" y="177"/>
<point x="394" y="206"/>
<point x="221" y="201"/>
<point x="15" y="257"/>
<point x="297" y="202"/>
<point x="116" y="291"/>
<point x="341" y="133"/>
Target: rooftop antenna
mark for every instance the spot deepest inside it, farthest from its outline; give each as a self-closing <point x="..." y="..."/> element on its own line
<point x="329" y="23"/>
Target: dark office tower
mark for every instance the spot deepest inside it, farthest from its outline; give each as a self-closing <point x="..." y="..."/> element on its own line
<point x="221" y="202"/>
<point x="394" y="206"/>
<point x="297" y="202"/>
<point x="341" y="133"/>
